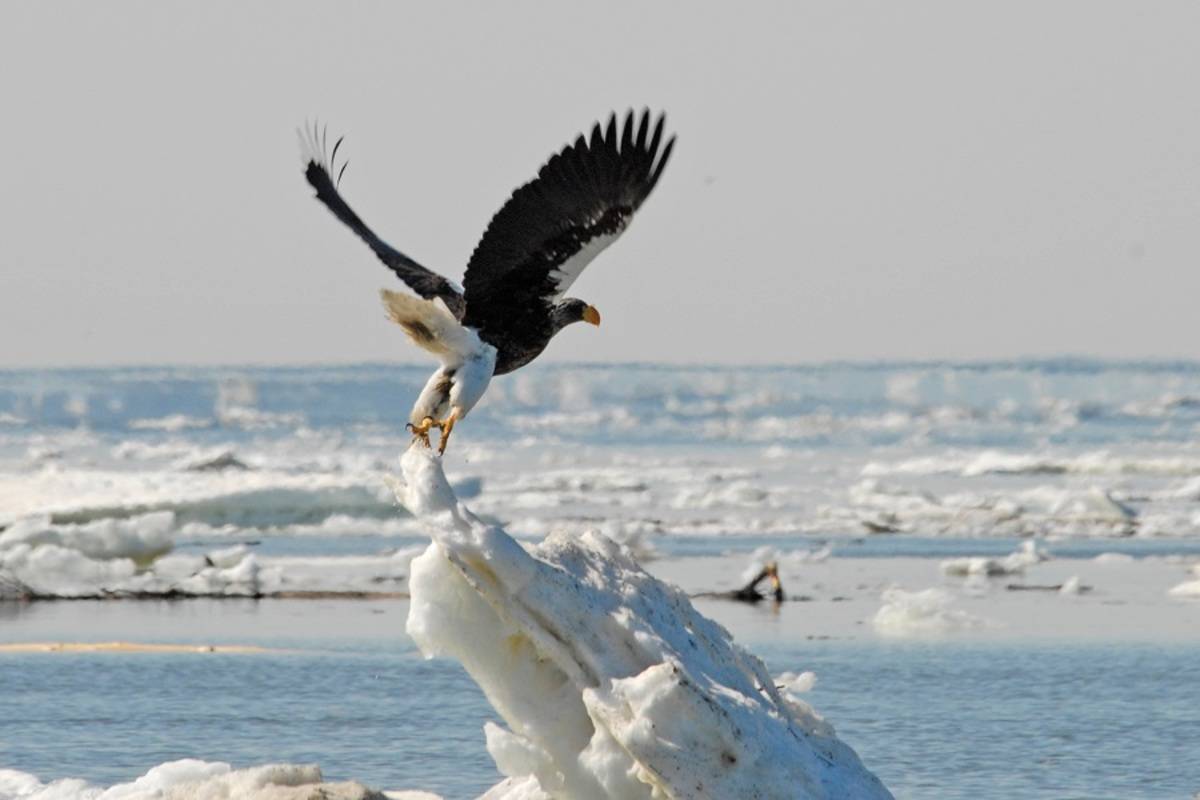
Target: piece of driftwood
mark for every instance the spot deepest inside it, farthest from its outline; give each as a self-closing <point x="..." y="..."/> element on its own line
<point x="1050" y="587"/>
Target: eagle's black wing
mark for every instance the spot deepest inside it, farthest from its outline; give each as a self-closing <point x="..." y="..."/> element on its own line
<point x="551" y="227"/>
<point x="319" y="171"/>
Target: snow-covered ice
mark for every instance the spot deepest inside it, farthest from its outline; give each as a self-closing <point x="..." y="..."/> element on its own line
<point x="191" y="779"/>
<point x="1012" y="564"/>
<point x="927" y="612"/>
<point x="132" y="558"/>
<point x="610" y="682"/>
<point x="140" y="538"/>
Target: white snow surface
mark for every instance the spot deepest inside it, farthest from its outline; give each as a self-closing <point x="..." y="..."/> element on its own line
<point x="1186" y="589"/>
<point x="610" y="682"/>
<point x="131" y="557"/>
<point x="922" y="613"/>
<point x="141" y="538"/>
<point x="1014" y="563"/>
<point x="191" y="779"/>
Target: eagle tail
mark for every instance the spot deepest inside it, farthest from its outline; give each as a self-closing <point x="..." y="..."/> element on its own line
<point x="430" y="324"/>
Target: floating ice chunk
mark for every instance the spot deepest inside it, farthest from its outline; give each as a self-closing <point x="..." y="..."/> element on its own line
<point x="1098" y="504"/>
<point x="1111" y="559"/>
<point x="1013" y="564"/>
<point x="1186" y="589"/>
<point x="611" y="683"/>
<point x="178" y="566"/>
<point x="228" y="556"/>
<point x="523" y="788"/>
<point x="1187" y="490"/>
<point x="796" y="683"/>
<point x="61" y="572"/>
<point x="140" y="537"/>
<point x="15" y="785"/>
<point x="921" y="613"/>
<point x="50" y="571"/>
<point x="190" y="779"/>
<point x="238" y="580"/>
<point x="172" y="423"/>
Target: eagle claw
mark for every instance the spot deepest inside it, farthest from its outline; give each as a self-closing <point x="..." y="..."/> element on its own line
<point x="421" y="431"/>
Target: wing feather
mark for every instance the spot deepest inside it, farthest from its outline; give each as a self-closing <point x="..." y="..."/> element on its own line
<point x="538" y="243"/>
<point x="317" y="172"/>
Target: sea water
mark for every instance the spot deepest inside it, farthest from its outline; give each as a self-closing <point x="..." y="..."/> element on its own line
<point x="939" y="719"/>
<point x="879" y="464"/>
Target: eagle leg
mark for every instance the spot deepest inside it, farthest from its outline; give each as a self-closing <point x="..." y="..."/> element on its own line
<point x="446" y="425"/>
<point x="422" y="431"/>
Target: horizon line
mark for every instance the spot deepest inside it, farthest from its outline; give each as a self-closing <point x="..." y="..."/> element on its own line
<point x="1064" y="360"/>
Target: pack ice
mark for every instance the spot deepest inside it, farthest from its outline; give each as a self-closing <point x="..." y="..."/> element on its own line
<point x="610" y="682"/>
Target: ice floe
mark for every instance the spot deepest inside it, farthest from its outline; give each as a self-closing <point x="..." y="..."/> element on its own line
<point x="171" y="423"/>
<point x="877" y="506"/>
<point x="130" y="558"/>
<point x="191" y="779"/>
<point x="994" y="462"/>
<point x="1071" y="586"/>
<point x="797" y="683"/>
<point x="141" y="537"/>
<point x="927" y="612"/>
<point x="1012" y="564"/>
<point x="611" y="684"/>
<point x="1190" y="588"/>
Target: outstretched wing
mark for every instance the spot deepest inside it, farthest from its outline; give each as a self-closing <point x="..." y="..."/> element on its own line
<point x="319" y="171"/>
<point x="552" y="227"/>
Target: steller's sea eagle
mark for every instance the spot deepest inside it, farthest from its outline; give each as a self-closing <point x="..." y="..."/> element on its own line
<point x="512" y="302"/>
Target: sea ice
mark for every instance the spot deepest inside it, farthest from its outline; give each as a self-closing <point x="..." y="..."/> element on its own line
<point x="921" y="613"/>
<point x="1012" y="564"/>
<point x="191" y="779"/>
<point x="796" y="683"/>
<point x="139" y="537"/>
<point x="1186" y="589"/>
<point x="610" y="682"/>
<point x="39" y="560"/>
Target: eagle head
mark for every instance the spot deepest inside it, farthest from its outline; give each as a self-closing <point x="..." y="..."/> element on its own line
<point x="573" y="310"/>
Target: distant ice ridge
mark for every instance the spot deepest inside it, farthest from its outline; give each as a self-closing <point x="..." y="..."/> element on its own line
<point x="194" y="490"/>
<point x="190" y="779"/>
<point x="141" y="539"/>
<point x="611" y="684"/>
<point x="991" y="462"/>
<point x="1043" y="510"/>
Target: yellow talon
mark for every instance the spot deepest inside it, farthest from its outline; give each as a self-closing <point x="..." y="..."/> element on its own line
<point x="422" y="431"/>
<point x="446" y="426"/>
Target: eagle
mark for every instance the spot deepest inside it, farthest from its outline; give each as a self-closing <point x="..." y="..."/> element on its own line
<point x="513" y="297"/>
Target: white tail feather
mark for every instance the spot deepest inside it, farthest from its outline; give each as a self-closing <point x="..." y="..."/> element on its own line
<point x="430" y="325"/>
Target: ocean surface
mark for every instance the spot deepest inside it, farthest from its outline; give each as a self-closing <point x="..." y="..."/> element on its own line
<point x="250" y="505"/>
<point x="943" y="719"/>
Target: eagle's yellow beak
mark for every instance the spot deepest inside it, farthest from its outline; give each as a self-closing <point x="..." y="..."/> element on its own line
<point x="590" y="314"/>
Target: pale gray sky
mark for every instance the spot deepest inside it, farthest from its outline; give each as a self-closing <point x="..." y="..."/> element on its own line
<point x="852" y="180"/>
